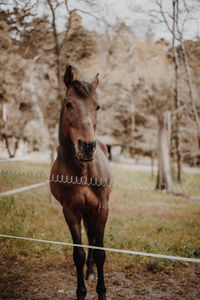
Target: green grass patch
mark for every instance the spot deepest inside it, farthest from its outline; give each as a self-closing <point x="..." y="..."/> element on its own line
<point x="139" y="220"/>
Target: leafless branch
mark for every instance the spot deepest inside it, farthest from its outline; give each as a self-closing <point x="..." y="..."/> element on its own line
<point x="159" y="3"/>
<point x="185" y="5"/>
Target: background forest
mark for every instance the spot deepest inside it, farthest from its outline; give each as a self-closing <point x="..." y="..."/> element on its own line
<point x="149" y="88"/>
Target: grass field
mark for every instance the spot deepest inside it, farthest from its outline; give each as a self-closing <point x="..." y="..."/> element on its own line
<point x="139" y="219"/>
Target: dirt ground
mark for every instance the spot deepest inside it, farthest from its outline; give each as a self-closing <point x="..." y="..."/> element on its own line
<point x="39" y="279"/>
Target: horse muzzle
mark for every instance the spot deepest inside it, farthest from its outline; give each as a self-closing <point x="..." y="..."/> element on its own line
<point x="86" y="150"/>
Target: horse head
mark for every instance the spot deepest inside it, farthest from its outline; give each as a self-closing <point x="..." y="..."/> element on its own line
<point x="79" y="115"/>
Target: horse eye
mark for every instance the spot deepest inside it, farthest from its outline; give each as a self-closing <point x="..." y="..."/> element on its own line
<point x="98" y="107"/>
<point x="68" y="105"/>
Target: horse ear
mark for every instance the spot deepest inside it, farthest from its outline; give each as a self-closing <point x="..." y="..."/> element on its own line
<point x="95" y="81"/>
<point x="68" y="77"/>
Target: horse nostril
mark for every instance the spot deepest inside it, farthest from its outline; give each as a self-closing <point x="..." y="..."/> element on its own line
<point x="87" y="147"/>
<point x="80" y="143"/>
<point x="92" y="146"/>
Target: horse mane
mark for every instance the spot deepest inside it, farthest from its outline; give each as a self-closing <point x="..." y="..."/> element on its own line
<point x="83" y="89"/>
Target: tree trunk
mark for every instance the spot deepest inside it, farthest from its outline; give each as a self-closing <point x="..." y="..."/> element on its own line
<point x="176" y="94"/>
<point x="164" y="176"/>
<point x="177" y="120"/>
<point x="56" y="50"/>
<point x="191" y="93"/>
<point x="152" y="163"/>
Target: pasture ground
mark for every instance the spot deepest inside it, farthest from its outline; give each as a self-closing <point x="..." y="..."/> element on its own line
<point x="140" y="220"/>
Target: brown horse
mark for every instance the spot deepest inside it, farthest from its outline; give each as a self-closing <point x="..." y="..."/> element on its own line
<point x="81" y="157"/>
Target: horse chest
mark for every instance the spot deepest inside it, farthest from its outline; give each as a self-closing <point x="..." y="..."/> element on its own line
<point x="84" y="198"/>
<point x="76" y="195"/>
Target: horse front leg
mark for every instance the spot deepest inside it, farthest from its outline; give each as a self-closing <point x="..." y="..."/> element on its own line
<point x="78" y="253"/>
<point x="99" y="258"/>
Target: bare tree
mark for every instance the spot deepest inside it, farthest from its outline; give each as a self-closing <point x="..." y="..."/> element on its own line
<point x="53" y="5"/>
<point x="175" y="22"/>
<point x="12" y="70"/>
<point x="185" y="60"/>
<point x="156" y="99"/>
<point x="175" y="16"/>
<point x="170" y="20"/>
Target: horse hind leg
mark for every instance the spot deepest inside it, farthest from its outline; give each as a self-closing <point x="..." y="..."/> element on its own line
<point x="90" y="274"/>
<point x="99" y="255"/>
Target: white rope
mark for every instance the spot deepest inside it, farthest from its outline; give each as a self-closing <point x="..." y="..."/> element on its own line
<point x="22" y="189"/>
<point x="186" y="259"/>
